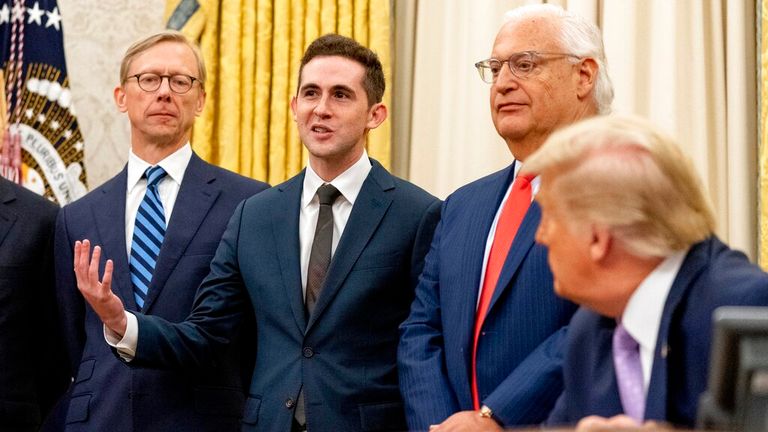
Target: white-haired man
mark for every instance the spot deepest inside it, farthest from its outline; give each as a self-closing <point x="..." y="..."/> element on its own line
<point x="630" y="238"/>
<point x="481" y="347"/>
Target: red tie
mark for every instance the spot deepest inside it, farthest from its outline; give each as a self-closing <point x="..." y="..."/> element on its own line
<point x="511" y="216"/>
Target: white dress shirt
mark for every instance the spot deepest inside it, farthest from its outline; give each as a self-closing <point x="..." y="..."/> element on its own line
<point x="348" y="183"/>
<point x="535" y="183"/>
<point x="642" y="315"/>
<point x="174" y="165"/>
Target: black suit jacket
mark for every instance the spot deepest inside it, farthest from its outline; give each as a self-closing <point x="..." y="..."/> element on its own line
<point x="32" y="372"/>
<point x="106" y="395"/>
<point x="344" y="355"/>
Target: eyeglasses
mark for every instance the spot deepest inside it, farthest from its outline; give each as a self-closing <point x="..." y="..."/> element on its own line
<point x="521" y="64"/>
<point x="178" y="83"/>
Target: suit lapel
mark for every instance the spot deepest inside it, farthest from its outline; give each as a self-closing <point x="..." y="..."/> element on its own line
<point x="605" y="399"/>
<point x="109" y="215"/>
<point x="693" y="265"/>
<point x="522" y="243"/>
<point x="197" y="194"/>
<point x="369" y="209"/>
<point x="285" y="225"/>
<point x="476" y="228"/>
<point x="7" y="217"/>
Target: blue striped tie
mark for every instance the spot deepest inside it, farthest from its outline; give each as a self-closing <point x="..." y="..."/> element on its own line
<point x="148" y="234"/>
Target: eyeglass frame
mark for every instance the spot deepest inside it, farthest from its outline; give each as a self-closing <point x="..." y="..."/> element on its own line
<point x="170" y="86"/>
<point x="482" y="64"/>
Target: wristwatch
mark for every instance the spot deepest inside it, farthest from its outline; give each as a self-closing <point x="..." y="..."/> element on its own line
<point x="485" y="412"/>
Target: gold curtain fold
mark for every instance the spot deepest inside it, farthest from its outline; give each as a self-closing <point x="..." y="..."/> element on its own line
<point x="762" y="188"/>
<point x="252" y="51"/>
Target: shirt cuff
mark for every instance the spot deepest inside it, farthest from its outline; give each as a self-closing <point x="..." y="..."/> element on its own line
<point x="126" y="347"/>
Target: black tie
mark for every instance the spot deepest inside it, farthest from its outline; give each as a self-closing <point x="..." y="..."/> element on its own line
<point x="319" y="260"/>
<point x="320" y="255"/>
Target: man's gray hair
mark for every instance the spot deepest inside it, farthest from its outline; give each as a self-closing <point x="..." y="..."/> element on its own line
<point x="578" y="37"/>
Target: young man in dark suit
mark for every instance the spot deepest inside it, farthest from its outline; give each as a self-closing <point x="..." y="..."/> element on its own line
<point x="160" y="219"/>
<point x="327" y="261"/>
<point x="32" y="374"/>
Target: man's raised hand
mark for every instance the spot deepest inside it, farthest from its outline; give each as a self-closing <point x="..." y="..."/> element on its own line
<point x="98" y="293"/>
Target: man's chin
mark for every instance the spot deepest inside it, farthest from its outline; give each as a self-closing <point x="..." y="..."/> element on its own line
<point x="514" y="129"/>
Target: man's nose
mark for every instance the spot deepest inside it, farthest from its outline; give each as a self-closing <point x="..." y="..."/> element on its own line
<point x="164" y="90"/>
<point x="321" y="108"/>
<point x="506" y="80"/>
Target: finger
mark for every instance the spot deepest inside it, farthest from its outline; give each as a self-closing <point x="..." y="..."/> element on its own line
<point x="82" y="250"/>
<point x="622" y="421"/>
<point x="590" y="423"/>
<point x="106" y="282"/>
<point x="76" y="259"/>
<point x="93" y="269"/>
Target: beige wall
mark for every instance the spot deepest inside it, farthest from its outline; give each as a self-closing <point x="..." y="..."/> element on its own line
<point x="96" y="33"/>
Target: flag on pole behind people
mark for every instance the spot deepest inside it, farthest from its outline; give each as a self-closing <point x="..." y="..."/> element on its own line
<point x="41" y="145"/>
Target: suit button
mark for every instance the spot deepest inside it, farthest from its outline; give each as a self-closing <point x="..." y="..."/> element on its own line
<point x="289" y="403"/>
<point x="307" y="352"/>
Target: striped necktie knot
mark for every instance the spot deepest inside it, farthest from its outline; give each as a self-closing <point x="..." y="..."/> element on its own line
<point x="154" y="175"/>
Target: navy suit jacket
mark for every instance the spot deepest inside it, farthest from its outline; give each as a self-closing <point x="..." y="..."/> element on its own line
<point x="32" y="374"/>
<point x="712" y="275"/>
<point x="106" y="394"/>
<point x="519" y="376"/>
<point x="344" y="355"/>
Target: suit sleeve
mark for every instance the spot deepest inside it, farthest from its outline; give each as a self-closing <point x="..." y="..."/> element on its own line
<point x="217" y="312"/>
<point x="424" y="385"/>
<point x="533" y="386"/>
<point x="558" y="416"/>
<point x="52" y="371"/>
<point x="424" y="236"/>
<point x="71" y="302"/>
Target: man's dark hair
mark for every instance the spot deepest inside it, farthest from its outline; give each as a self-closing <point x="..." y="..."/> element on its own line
<point x="342" y="46"/>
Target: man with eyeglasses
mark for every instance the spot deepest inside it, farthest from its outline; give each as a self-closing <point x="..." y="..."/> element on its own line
<point x="482" y="347"/>
<point x="160" y="220"/>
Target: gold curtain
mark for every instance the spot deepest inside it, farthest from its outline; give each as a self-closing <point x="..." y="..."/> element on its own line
<point x="252" y="51"/>
<point x="762" y="188"/>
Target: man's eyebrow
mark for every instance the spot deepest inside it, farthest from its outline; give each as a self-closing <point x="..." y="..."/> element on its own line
<point x="343" y="87"/>
<point x="308" y="86"/>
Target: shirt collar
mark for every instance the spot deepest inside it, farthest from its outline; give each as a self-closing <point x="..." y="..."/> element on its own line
<point x="642" y="316"/>
<point x="535" y="183"/>
<point x="348" y="183"/>
<point x="174" y="165"/>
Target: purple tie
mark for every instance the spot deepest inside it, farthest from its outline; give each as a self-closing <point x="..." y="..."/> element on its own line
<point x="629" y="373"/>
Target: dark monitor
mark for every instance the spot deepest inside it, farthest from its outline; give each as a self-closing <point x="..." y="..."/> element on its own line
<point x="737" y="391"/>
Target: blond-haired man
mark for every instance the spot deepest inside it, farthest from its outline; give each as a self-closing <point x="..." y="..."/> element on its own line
<point x="160" y="220"/>
<point x="630" y="238"/>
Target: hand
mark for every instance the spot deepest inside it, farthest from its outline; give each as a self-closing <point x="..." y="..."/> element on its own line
<point x="98" y="293"/>
<point x="597" y="423"/>
<point x="466" y="421"/>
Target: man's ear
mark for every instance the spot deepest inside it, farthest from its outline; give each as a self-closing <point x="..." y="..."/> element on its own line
<point x="200" y="103"/>
<point x="600" y="243"/>
<point x="119" y="95"/>
<point x="376" y="115"/>
<point x="293" y="107"/>
<point x="587" y="77"/>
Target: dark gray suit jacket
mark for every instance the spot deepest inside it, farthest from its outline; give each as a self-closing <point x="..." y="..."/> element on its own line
<point x="32" y="374"/>
<point x="344" y="355"/>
